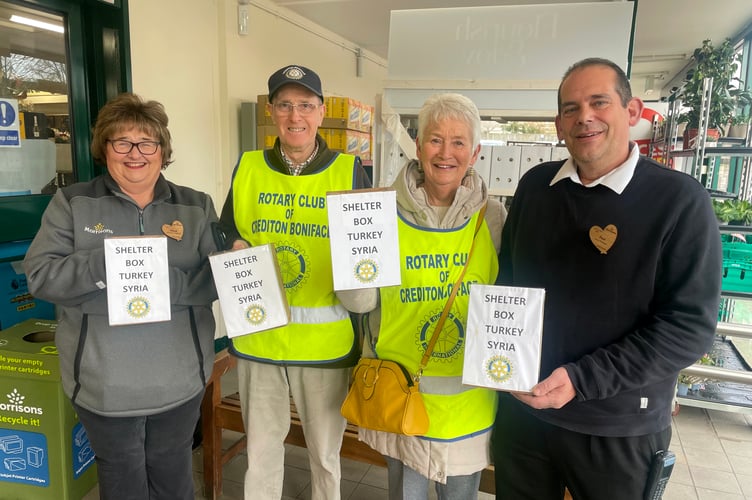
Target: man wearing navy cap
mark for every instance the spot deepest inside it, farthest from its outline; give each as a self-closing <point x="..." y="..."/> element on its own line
<point x="310" y="358"/>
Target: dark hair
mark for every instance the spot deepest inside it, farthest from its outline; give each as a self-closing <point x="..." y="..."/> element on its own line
<point x="127" y="111"/>
<point x="622" y="82"/>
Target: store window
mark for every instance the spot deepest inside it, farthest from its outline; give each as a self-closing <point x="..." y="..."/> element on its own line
<point x="35" y="131"/>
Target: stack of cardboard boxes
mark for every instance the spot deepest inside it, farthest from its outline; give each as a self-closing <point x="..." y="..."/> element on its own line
<point x="347" y="126"/>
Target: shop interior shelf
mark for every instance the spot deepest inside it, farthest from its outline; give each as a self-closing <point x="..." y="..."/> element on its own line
<point x="714" y="151"/>
<point x="728" y="385"/>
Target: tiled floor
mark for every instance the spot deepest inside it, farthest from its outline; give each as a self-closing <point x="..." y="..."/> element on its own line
<point x="713" y="448"/>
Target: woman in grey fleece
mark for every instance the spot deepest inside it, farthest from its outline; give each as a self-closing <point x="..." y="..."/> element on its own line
<point x="136" y="388"/>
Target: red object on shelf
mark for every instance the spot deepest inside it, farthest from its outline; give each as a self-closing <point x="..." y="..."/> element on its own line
<point x="712" y="135"/>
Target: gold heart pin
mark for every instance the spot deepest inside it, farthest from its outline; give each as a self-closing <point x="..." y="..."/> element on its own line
<point x="603" y="239"/>
<point x="174" y="230"/>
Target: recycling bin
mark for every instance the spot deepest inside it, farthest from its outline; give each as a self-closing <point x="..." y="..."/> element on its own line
<point x="44" y="451"/>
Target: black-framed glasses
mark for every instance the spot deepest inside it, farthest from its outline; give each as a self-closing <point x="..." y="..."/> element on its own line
<point x="285" y="108"/>
<point x="124" y="147"/>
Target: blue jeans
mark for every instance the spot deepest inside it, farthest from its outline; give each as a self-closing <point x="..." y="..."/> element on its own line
<point x="407" y="484"/>
<point x="144" y="458"/>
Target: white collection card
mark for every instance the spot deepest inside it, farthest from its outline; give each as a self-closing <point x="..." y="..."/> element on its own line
<point x="504" y="333"/>
<point x="138" y="281"/>
<point x="250" y="291"/>
<point x="363" y="238"/>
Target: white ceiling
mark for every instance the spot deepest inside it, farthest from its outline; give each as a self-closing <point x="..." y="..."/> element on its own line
<point x="666" y="31"/>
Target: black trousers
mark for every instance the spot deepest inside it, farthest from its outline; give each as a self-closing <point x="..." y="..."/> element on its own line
<point x="144" y="458"/>
<point x="534" y="460"/>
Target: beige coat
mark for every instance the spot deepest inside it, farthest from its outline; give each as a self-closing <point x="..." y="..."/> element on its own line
<point x="436" y="459"/>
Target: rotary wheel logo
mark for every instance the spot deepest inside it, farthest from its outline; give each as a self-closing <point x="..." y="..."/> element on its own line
<point x="255" y="314"/>
<point x="499" y="369"/>
<point x="292" y="265"/>
<point x="366" y="271"/>
<point x="138" y="307"/>
<point x="450" y="341"/>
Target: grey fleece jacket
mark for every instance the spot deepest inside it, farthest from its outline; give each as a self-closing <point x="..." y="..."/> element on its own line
<point x="129" y="370"/>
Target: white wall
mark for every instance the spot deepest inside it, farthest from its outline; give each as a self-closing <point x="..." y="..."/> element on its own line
<point x="188" y="55"/>
<point x="174" y="49"/>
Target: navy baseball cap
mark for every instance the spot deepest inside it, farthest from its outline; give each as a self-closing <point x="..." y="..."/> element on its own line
<point x="295" y="74"/>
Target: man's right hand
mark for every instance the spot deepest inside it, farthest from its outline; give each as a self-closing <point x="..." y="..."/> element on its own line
<point x="552" y="392"/>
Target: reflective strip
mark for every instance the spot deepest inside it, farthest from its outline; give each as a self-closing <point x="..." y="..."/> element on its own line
<point x="318" y="315"/>
<point x="443" y="385"/>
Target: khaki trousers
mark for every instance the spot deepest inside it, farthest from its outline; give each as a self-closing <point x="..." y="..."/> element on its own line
<point x="318" y="393"/>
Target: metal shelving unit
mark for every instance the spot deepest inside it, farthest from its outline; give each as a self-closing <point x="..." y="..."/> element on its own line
<point x="728" y="386"/>
<point x="731" y="386"/>
<point x="702" y="154"/>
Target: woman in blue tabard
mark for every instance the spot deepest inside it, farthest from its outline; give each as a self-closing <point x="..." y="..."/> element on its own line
<point x="439" y="198"/>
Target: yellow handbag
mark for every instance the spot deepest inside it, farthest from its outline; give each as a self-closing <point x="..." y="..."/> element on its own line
<point x="383" y="395"/>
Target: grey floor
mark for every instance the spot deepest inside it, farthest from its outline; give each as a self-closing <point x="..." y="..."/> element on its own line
<point x="713" y="448"/>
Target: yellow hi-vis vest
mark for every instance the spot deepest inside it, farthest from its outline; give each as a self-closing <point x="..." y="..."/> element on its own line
<point x="431" y="261"/>
<point x="290" y="212"/>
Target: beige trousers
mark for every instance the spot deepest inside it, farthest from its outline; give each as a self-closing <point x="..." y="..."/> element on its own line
<point x="265" y="402"/>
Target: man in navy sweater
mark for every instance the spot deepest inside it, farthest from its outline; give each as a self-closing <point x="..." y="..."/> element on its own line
<point x="629" y="254"/>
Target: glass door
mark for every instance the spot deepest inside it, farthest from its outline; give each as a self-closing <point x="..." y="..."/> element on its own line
<point x="35" y="132"/>
<point x="60" y="60"/>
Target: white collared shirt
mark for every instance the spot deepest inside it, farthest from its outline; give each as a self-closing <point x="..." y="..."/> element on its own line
<point x="616" y="180"/>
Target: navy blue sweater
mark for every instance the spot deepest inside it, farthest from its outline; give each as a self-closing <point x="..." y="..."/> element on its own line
<point x="625" y="322"/>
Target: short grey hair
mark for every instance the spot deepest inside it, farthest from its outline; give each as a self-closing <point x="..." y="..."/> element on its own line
<point x="439" y="107"/>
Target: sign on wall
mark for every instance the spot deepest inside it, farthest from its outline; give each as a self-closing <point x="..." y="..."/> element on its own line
<point x="9" y="124"/>
<point x="504" y="57"/>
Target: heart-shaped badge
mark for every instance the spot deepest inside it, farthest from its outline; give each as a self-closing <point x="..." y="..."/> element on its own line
<point x="603" y="239"/>
<point x="175" y="230"/>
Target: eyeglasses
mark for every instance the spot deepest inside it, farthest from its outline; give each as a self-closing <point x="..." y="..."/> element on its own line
<point x="285" y="108"/>
<point x="124" y="147"/>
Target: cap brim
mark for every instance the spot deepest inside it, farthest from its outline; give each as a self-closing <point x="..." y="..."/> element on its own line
<point x="292" y="82"/>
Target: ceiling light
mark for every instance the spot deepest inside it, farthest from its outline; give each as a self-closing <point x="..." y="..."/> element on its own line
<point x="649" y="84"/>
<point x="37" y="24"/>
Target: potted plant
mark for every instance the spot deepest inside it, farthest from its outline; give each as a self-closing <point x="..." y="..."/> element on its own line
<point x="693" y="382"/>
<point x="739" y="124"/>
<point x="733" y="211"/>
<point x="727" y="95"/>
<point x="683" y="384"/>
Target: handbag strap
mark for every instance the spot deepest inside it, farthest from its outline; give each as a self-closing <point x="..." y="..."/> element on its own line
<point x="448" y="305"/>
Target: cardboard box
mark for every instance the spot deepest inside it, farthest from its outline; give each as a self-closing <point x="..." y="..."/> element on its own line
<point x="364" y="144"/>
<point x="366" y="117"/>
<point x="344" y="108"/>
<point x="263" y="117"/>
<point x="265" y="136"/>
<point x="339" y="123"/>
<point x="44" y="450"/>
<point x="16" y="303"/>
<point x="347" y="141"/>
